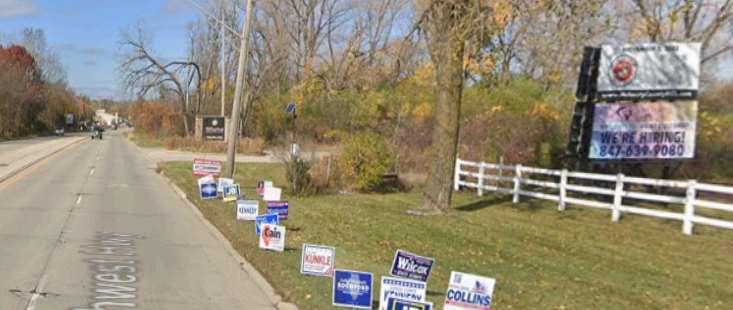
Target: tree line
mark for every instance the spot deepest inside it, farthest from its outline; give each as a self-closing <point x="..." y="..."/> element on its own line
<point x="34" y="97"/>
<point x="432" y="78"/>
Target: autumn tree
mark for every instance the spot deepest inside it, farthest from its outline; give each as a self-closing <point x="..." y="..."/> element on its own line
<point x="450" y="27"/>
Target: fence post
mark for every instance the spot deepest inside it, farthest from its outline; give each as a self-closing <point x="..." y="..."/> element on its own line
<point x="563" y="190"/>
<point x="457" y="175"/>
<point x="517" y="176"/>
<point x="481" y="179"/>
<point x="618" y="198"/>
<point x="687" y="223"/>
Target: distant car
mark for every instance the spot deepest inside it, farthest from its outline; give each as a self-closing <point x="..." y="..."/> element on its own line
<point x="59" y="131"/>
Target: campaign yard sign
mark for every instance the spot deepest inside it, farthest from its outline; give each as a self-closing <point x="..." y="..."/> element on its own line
<point x="467" y="291"/>
<point x="278" y="207"/>
<point x="224" y="183"/>
<point x="317" y="260"/>
<point x="649" y="71"/>
<point x="401" y="288"/>
<point x="401" y="304"/>
<point x="272" y="237"/>
<point x="207" y="187"/>
<point x="352" y="289"/>
<point x="262" y="185"/>
<point x="231" y="193"/>
<point x="247" y="210"/>
<point x="411" y="266"/>
<point x="272" y="193"/>
<point x="265" y="219"/>
<point x="644" y="130"/>
<point x="203" y="167"/>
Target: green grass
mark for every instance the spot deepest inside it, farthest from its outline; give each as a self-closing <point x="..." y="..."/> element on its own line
<point x="144" y="140"/>
<point x="541" y="259"/>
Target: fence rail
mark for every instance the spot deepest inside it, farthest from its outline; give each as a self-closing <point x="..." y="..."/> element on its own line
<point x="602" y="191"/>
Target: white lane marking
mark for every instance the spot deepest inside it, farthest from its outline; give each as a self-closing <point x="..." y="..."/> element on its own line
<point x="78" y="200"/>
<point x="37" y="293"/>
<point x="91" y="172"/>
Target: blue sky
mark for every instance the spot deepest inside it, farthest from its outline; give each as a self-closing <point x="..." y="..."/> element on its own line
<point x="86" y="33"/>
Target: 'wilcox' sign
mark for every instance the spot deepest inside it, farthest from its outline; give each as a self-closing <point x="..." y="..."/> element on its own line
<point x="411" y="266"/>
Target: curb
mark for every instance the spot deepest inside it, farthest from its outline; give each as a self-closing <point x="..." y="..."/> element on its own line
<point x="15" y="172"/>
<point x="259" y="280"/>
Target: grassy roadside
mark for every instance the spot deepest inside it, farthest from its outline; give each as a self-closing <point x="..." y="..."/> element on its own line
<point x="143" y="140"/>
<point x="540" y="258"/>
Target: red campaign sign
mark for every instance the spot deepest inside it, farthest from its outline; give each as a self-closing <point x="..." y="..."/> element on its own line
<point x="203" y="167"/>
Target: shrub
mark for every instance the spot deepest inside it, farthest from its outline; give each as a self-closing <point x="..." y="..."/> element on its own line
<point x="364" y="161"/>
<point x="297" y="171"/>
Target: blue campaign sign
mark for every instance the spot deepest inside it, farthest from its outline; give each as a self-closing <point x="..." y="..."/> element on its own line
<point x="207" y="188"/>
<point x="290" y="108"/>
<point x="278" y="207"/>
<point x="265" y="219"/>
<point x="352" y="289"/>
<point x="411" y="266"/>
<point x="401" y="304"/>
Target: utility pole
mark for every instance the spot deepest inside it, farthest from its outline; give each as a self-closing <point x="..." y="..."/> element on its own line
<point x="241" y="80"/>
<point x="223" y="63"/>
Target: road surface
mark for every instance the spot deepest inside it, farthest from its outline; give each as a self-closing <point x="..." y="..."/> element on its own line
<point x="93" y="227"/>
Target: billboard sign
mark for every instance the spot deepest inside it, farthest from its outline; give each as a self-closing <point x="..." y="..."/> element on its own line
<point x="352" y="289"/>
<point x="272" y="237"/>
<point x="213" y="128"/>
<point x="644" y="130"/>
<point x="278" y="207"/>
<point x="411" y="266"/>
<point x="247" y="210"/>
<point x="401" y="288"/>
<point x="469" y="292"/>
<point x="202" y="167"/>
<point x="401" y="304"/>
<point x="69" y="119"/>
<point x="317" y="260"/>
<point x="649" y="71"/>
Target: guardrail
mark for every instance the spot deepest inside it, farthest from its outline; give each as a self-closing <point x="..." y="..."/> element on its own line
<point x="563" y="187"/>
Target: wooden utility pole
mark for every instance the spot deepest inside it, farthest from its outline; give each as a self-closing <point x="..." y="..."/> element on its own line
<point x="241" y="81"/>
<point x="222" y="56"/>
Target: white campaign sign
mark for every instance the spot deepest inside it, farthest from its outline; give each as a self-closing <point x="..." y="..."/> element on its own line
<point x="317" y="260"/>
<point x="469" y="292"/>
<point x="223" y="183"/>
<point x="649" y="71"/>
<point x="272" y="194"/>
<point x="272" y="237"/>
<point x="401" y="288"/>
<point x="247" y="210"/>
<point x="644" y="130"/>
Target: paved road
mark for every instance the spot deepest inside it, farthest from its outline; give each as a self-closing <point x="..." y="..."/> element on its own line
<point x="94" y="226"/>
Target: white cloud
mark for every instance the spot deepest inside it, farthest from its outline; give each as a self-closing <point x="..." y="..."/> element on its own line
<point x="16" y="8"/>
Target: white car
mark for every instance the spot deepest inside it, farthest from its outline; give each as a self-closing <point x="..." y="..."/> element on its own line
<point x="59" y="131"/>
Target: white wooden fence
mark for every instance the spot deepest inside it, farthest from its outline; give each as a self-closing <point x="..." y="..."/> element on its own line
<point x="564" y="187"/>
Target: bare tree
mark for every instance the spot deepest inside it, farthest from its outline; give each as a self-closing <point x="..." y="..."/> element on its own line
<point x="143" y="72"/>
<point x="703" y="21"/>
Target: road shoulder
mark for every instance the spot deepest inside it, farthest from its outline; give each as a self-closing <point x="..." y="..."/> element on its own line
<point x="246" y="267"/>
